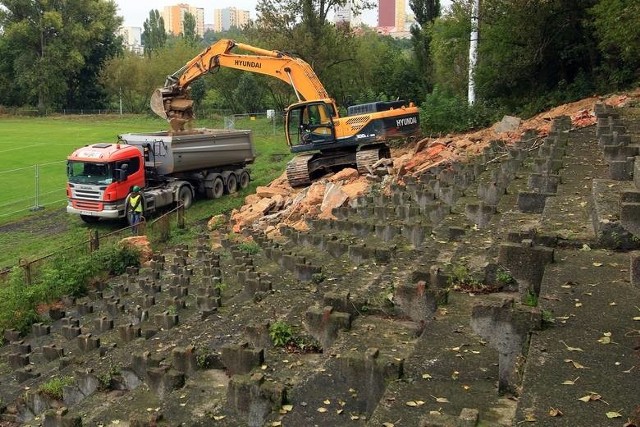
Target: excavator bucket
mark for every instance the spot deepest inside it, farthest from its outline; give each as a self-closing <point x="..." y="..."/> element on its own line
<point x="157" y="104"/>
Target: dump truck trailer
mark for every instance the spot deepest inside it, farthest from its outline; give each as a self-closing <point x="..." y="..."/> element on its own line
<point x="169" y="167"/>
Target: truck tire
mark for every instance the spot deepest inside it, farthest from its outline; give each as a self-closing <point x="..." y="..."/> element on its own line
<point x="89" y="219"/>
<point x="232" y="183"/>
<point x="185" y="196"/>
<point x="243" y="181"/>
<point x="217" y="189"/>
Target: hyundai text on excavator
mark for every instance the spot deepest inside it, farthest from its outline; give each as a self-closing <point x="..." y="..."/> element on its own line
<point x="313" y="127"/>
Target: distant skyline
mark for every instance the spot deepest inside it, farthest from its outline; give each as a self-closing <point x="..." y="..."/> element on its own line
<point x="135" y="12"/>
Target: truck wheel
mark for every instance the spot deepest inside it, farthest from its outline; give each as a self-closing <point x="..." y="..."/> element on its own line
<point x="185" y="196"/>
<point x="217" y="189"/>
<point x="89" y="219"/>
<point x="232" y="183"/>
<point x="244" y="179"/>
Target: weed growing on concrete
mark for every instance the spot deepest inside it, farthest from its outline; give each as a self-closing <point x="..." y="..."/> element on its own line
<point x="547" y="318"/>
<point x="106" y="378"/>
<point x="459" y="278"/>
<point x="504" y="277"/>
<point x="280" y="333"/>
<point x="530" y="299"/>
<point x="318" y="278"/>
<point x="250" y="248"/>
<point x="55" y="386"/>
<point x="204" y="359"/>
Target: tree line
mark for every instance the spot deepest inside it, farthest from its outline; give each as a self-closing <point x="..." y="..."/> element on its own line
<point x="532" y="54"/>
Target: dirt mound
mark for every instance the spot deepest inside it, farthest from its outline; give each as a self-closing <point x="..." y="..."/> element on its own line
<point x="278" y="204"/>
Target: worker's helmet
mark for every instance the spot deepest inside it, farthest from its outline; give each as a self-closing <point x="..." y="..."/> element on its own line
<point x="136" y="188"/>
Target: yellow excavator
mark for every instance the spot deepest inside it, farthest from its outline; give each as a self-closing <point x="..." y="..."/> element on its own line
<point x="314" y="130"/>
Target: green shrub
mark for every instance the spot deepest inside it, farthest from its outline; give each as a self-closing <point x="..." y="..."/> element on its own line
<point x="250" y="248"/>
<point x="281" y="333"/>
<point x="63" y="276"/>
<point x="117" y="259"/>
<point x="443" y="113"/>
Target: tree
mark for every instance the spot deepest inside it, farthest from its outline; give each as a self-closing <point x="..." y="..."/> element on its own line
<point x="189" y="29"/>
<point x="135" y="78"/>
<point x="154" y="36"/>
<point x="425" y="11"/>
<point x="449" y="49"/>
<point x="249" y="94"/>
<point x="616" y="24"/>
<point x="53" y="51"/>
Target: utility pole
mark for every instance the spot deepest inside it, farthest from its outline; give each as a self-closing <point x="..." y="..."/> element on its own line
<point x="473" y="51"/>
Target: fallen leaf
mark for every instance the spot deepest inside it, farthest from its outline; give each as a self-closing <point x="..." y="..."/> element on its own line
<point x="426" y="376"/>
<point x="276" y="424"/>
<point x="354" y="417"/>
<point x="411" y="403"/>
<point x="219" y="417"/>
<point x="388" y="425"/>
<point x="339" y="411"/>
<point x="322" y="409"/>
<point x="597" y="264"/>
<point x="555" y="412"/>
<point x="591" y="396"/>
<point x="327" y="402"/>
<point x="570" y="382"/>
<point x="441" y="399"/>
<point x="606" y="339"/>
<point x="613" y="414"/>
<point x="530" y="418"/>
<point x="571" y="348"/>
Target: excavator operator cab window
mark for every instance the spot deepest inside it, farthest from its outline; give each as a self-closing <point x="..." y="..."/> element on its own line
<point x="314" y="124"/>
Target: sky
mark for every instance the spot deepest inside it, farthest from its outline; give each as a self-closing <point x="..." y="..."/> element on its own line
<point x="135" y="12"/>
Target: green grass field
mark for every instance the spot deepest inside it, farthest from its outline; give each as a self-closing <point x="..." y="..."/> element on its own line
<point x="46" y="142"/>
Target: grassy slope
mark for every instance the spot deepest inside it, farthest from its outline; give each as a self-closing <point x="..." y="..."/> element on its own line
<point x="47" y="141"/>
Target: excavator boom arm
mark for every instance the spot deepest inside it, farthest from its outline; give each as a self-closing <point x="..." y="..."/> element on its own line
<point x="287" y="68"/>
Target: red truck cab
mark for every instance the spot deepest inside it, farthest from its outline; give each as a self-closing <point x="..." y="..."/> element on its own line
<point x="99" y="178"/>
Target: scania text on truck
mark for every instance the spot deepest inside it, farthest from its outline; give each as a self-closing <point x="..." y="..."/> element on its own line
<point x="170" y="167"/>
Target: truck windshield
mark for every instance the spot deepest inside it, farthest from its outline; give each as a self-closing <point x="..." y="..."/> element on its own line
<point x="90" y="173"/>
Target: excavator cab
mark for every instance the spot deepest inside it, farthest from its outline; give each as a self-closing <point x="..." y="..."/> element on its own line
<point x="309" y="126"/>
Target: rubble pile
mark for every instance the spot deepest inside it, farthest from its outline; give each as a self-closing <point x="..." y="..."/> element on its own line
<point x="278" y="204"/>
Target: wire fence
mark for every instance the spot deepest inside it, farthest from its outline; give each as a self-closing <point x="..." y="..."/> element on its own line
<point x="32" y="187"/>
<point x="157" y="231"/>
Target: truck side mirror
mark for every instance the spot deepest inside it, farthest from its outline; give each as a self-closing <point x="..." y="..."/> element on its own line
<point x="122" y="173"/>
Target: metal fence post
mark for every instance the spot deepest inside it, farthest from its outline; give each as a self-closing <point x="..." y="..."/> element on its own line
<point x="36" y="206"/>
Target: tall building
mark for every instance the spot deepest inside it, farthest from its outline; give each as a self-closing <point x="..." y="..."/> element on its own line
<point x="224" y="19"/>
<point x="132" y="38"/>
<point x="344" y="14"/>
<point x="392" y="13"/>
<point x="174" y="18"/>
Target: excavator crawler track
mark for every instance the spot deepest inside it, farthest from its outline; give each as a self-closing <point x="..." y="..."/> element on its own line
<point x="298" y="170"/>
<point x="368" y="156"/>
